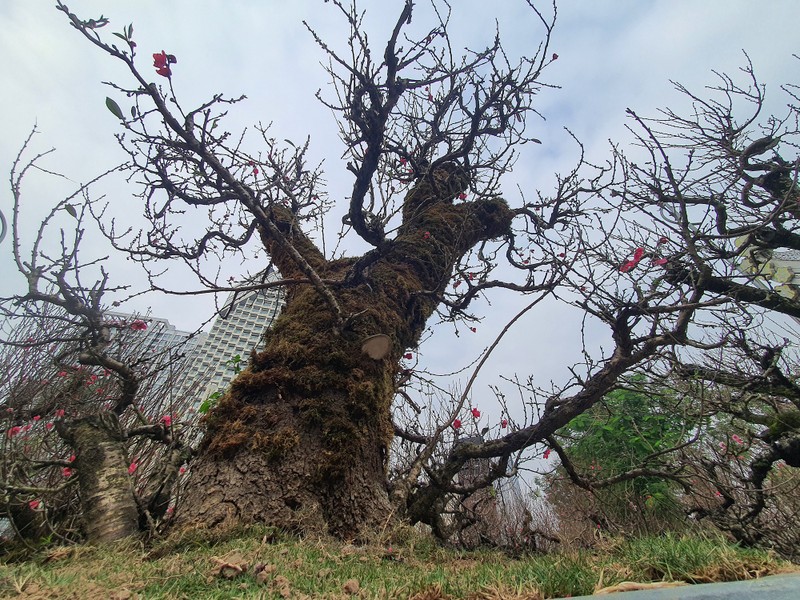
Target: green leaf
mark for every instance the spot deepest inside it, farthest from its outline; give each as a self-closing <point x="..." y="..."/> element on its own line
<point x="114" y="108"/>
<point x="204" y="406"/>
<point x="71" y="210"/>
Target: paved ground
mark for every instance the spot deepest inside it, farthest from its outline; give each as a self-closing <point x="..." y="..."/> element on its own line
<point x="777" y="587"/>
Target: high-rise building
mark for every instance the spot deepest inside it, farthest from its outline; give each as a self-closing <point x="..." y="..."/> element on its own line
<point x="237" y="331"/>
<point x="776" y="270"/>
<point x="158" y="346"/>
<point x="159" y="335"/>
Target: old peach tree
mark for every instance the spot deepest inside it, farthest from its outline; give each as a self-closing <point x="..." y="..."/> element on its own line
<point x="301" y="437"/>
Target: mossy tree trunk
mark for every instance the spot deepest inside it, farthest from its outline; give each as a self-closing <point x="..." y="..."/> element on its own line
<point x="107" y="497"/>
<point x="301" y="438"/>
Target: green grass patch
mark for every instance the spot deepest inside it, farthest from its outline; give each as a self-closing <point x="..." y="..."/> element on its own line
<point x="263" y="563"/>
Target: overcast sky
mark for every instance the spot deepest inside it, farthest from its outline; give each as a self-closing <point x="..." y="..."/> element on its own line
<point x="613" y="54"/>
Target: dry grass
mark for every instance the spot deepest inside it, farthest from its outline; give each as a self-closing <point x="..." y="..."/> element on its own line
<point x="261" y="563"/>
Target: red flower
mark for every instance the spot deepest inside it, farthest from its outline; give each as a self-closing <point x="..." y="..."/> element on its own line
<point x="71" y="458"/>
<point x="66" y="472"/>
<point x="736" y="439"/>
<point x="167" y="420"/>
<point x="62" y="373"/>
<point x="659" y="261"/>
<point x="476" y="414"/>
<point x="426" y="235"/>
<point x="456" y="424"/>
<point x="637" y="256"/>
<point x="37" y="417"/>
<point x="462" y="196"/>
<point x="14" y="431"/>
<point x="182" y="470"/>
<point x="662" y="240"/>
<point x="555" y="56"/>
<point x="547" y="453"/>
<point x="503" y="423"/>
<point x="162" y="61"/>
<point x="138" y="325"/>
<point x="49" y="426"/>
<point x="408" y="356"/>
<point x="34" y="504"/>
<point x="59" y="413"/>
<point x="132" y="468"/>
<point x="473" y="329"/>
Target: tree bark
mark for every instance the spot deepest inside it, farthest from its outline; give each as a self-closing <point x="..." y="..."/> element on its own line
<point x="106" y="492"/>
<point x="301" y="438"/>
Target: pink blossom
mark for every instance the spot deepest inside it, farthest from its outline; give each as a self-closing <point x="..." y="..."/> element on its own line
<point x="66" y="472"/>
<point x="132" y="468"/>
<point x="72" y="458"/>
<point x="167" y="420"/>
<point x="59" y="413"/>
<point x="34" y="504"/>
<point x="659" y="261"/>
<point x="426" y="235"/>
<point x="62" y="373"/>
<point x="162" y="61"/>
<point x="182" y="470"/>
<point x="14" y="431"/>
<point x="48" y="426"/>
<point x="37" y="417"/>
<point x="456" y="424"/>
<point x="462" y="196"/>
<point x="631" y="264"/>
<point x="138" y="325"/>
<point x="473" y="329"/>
<point x="736" y="439"/>
<point x="476" y="414"/>
<point x="408" y="356"/>
<point x="504" y="423"/>
<point x="547" y="453"/>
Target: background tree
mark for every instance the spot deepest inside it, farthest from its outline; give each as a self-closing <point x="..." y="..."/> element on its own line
<point x="711" y="221"/>
<point x="633" y="427"/>
<point x="82" y="408"/>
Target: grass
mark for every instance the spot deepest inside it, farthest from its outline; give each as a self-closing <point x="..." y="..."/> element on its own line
<point x="260" y="563"/>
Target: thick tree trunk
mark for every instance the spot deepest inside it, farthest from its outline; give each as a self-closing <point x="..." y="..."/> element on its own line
<point x="107" y="497"/>
<point x="296" y="475"/>
<point x="301" y="438"/>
